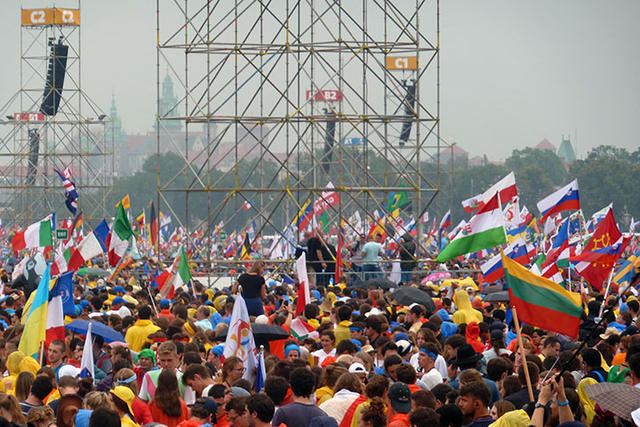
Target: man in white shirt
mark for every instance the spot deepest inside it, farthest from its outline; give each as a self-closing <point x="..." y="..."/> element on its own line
<point x="427" y="356"/>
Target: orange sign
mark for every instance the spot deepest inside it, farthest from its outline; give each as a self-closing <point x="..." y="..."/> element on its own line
<point x="51" y="16"/>
<point x="402" y="62"/>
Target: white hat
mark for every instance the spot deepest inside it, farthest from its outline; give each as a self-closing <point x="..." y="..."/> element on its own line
<point x="373" y="312"/>
<point x="262" y="320"/>
<point x="358" y="368"/>
<point x="68" y="370"/>
<point x="404" y="347"/>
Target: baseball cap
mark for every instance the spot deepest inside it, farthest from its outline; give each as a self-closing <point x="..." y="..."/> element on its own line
<point x="401" y="336"/>
<point x="118" y="289"/>
<point x="118" y="300"/>
<point x="358" y="368"/>
<point x="165" y="303"/>
<point x="218" y="350"/>
<point x="496" y="334"/>
<point x="239" y="391"/>
<point x="400" y="397"/>
<point x="404" y="347"/>
<point x="207" y="403"/>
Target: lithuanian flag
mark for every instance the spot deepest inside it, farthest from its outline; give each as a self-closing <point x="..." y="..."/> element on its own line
<point x="541" y="302"/>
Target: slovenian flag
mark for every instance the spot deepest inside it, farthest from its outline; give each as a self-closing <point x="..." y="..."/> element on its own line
<point x="564" y="199"/>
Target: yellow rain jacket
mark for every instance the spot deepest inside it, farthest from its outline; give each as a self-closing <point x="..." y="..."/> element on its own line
<point x="464" y="312"/>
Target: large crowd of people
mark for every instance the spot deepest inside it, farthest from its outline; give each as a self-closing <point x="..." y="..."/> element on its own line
<point x="363" y="359"/>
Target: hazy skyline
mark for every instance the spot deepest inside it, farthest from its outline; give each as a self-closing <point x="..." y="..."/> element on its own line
<point x="512" y="73"/>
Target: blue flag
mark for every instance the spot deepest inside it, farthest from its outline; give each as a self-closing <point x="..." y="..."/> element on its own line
<point x="64" y="288"/>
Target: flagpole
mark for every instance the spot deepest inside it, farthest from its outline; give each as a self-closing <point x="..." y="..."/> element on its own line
<point x="606" y="293"/>
<point x="525" y="368"/>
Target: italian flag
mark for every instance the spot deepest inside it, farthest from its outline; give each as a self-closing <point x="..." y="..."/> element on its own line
<point x="61" y="261"/>
<point x="36" y="235"/>
<point x="301" y="329"/>
<point x="485" y="230"/>
<point x="183" y="276"/>
<point x="120" y="234"/>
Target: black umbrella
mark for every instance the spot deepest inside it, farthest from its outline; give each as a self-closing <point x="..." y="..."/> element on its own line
<point x="359" y="284"/>
<point x="492" y="289"/>
<point x="408" y="295"/>
<point x="502" y="296"/>
<point x="262" y="334"/>
<point x="381" y="283"/>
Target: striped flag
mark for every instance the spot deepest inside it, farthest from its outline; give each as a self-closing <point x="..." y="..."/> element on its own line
<point x="86" y="365"/>
<point x="71" y="194"/>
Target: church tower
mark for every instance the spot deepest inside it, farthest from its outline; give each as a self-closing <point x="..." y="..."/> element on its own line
<point x="168" y="105"/>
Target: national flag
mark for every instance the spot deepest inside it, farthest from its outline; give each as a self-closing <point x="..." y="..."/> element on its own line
<point x="596" y="265"/>
<point x="164" y="281"/>
<point x="485" y="230"/>
<point x="61" y="261"/>
<point x="303" y="219"/>
<point x="183" y="275"/>
<point x="597" y="217"/>
<point x="153" y="228"/>
<point x="245" y="249"/>
<point x="605" y="235"/>
<point x="86" y="364"/>
<point x="246" y="205"/>
<point x="562" y="235"/>
<point x="506" y="187"/>
<point x="36" y="235"/>
<point x="629" y="270"/>
<point x="35" y="326"/>
<point x="140" y="219"/>
<point x="304" y="294"/>
<point x="563" y="199"/>
<point x="119" y="237"/>
<point x="301" y="329"/>
<point x="55" y="311"/>
<point x="552" y="272"/>
<point x="518" y="252"/>
<point x="125" y="202"/>
<point x="492" y="269"/>
<point x="71" y="194"/>
<point x="540" y="302"/>
<point x="91" y="246"/>
<point x="261" y="373"/>
<point x="396" y="200"/>
<point x="632" y="226"/>
<point x="240" y="342"/>
<point x="77" y="223"/>
<point x="446" y="220"/>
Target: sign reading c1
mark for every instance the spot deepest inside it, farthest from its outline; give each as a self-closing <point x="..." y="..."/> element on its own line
<point x="401" y="62"/>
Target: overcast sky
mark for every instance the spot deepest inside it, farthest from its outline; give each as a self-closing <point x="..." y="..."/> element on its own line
<point x="512" y="73"/>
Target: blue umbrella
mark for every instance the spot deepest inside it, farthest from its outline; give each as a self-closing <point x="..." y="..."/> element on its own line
<point x="80" y="326"/>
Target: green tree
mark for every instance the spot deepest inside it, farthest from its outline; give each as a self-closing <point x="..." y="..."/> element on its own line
<point x="546" y="160"/>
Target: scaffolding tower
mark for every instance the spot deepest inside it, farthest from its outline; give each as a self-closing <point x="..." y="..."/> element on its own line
<point x="51" y="124"/>
<point x="285" y="101"/>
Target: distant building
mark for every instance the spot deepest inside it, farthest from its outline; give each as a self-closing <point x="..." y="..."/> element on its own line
<point x="566" y="152"/>
<point x="168" y="106"/>
<point x="545" y="145"/>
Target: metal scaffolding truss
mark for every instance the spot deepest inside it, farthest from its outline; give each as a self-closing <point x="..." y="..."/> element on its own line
<point x="33" y="145"/>
<point x="289" y="96"/>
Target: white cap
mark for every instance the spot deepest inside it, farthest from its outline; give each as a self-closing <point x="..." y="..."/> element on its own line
<point x="262" y="320"/>
<point x="373" y="312"/>
<point x="68" y="370"/>
<point x="357" y="368"/>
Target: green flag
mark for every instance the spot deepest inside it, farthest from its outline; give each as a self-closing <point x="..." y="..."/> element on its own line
<point x="396" y="200"/>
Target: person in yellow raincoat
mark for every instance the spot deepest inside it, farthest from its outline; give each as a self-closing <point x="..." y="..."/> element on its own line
<point x="464" y="312"/>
